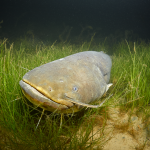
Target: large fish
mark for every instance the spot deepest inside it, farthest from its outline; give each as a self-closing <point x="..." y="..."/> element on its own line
<point x="68" y="84"/>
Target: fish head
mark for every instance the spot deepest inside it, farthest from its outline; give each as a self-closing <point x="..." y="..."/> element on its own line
<point x="52" y="92"/>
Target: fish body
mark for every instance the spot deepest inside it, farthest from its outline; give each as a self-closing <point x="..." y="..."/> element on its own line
<point x="68" y="84"/>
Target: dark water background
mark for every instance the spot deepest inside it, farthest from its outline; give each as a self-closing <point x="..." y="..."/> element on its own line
<point x="51" y="20"/>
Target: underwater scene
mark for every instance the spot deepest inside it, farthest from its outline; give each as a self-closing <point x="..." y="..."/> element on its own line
<point x="75" y="75"/>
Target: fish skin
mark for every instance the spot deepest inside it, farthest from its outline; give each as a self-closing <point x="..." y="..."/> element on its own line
<point x="69" y="83"/>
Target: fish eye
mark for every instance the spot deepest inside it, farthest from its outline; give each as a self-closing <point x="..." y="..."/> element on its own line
<point x="75" y="89"/>
<point x="50" y="89"/>
<point x="61" y="80"/>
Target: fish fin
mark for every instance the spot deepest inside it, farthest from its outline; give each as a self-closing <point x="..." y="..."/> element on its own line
<point x="108" y="86"/>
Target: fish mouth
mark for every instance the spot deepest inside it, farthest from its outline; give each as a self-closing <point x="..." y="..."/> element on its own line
<point x="40" y="100"/>
<point x="67" y="105"/>
<point x="53" y="97"/>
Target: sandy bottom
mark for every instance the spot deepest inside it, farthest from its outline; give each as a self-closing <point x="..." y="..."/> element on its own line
<point x="121" y="131"/>
<point x="124" y="132"/>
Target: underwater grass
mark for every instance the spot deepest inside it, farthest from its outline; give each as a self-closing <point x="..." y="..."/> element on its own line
<point x="130" y="76"/>
<point x="19" y="119"/>
<point x="131" y="67"/>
